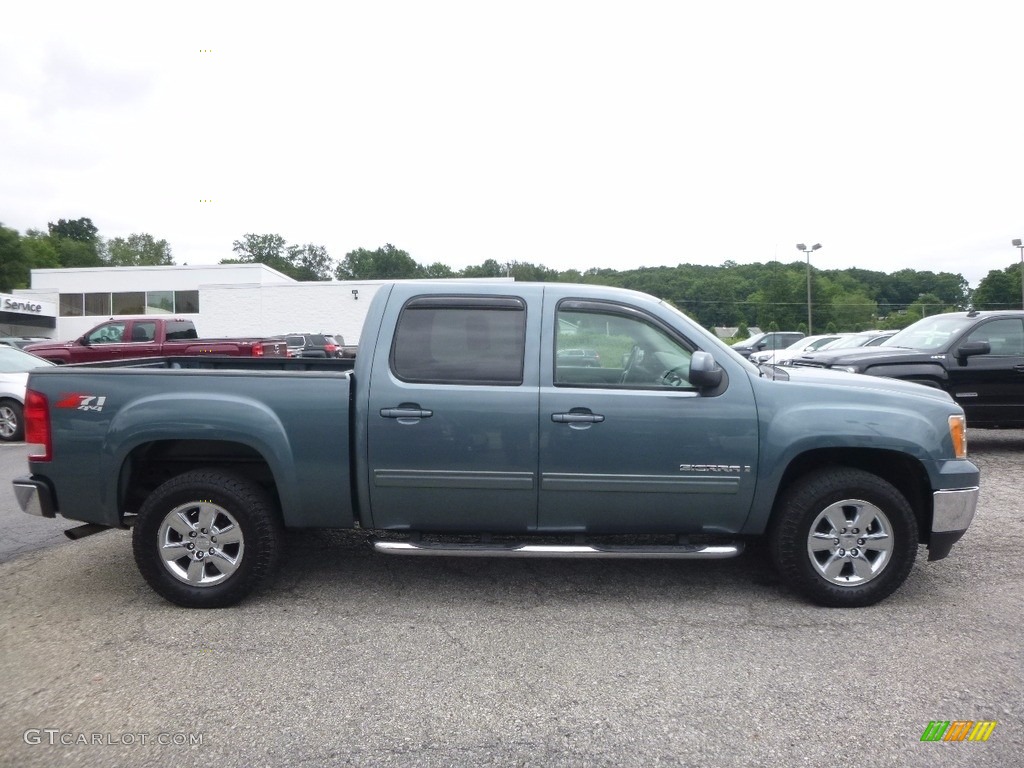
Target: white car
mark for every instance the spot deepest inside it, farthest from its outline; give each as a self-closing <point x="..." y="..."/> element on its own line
<point x="806" y="344"/>
<point x="14" y="368"/>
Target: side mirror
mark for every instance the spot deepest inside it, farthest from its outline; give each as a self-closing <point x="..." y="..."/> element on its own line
<point x="972" y="348"/>
<point x="84" y="340"/>
<point x="705" y="373"/>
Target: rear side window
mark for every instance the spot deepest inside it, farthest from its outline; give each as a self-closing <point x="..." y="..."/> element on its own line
<point x="178" y="330"/>
<point x="461" y="340"/>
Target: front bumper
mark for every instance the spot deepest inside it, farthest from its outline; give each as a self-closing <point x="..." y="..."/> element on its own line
<point x="952" y="514"/>
<point x="34" y="497"/>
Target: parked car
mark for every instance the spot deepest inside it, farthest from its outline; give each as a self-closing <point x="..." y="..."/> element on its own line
<point x="770" y="341"/>
<point x="312" y="345"/>
<point x="14" y="368"/>
<point x="21" y="341"/>
<point x="806" y="344"/>
<point x="846" y="341"/>
<point x="585" y="357"/>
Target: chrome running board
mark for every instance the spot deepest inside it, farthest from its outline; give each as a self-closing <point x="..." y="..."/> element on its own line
<point x="446" y="549"/>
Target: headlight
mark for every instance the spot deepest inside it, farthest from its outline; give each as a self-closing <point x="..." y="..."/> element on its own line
<point x="958" y="434"/>
<point x="847" y="368"/>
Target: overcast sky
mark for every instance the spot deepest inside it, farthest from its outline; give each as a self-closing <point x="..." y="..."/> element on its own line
<point x="569" y="134"/>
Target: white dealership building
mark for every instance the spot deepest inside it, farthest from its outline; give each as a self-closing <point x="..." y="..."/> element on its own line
<point x="222" y="299"/>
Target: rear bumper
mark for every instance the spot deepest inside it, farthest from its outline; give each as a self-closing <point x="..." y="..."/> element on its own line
<point x="34" y="497"/>
<point x="953" y="512"/>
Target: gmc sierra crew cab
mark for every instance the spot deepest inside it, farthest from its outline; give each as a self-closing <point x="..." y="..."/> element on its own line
<point x="150" y="336"/>
<point x="461" y="431"/>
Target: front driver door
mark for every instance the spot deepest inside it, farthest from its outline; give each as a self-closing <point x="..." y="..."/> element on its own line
<point x="631" y="447"/>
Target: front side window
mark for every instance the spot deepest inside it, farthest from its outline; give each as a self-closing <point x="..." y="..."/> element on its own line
<point x="461" y="340"/>
<point x="108" y="333"/>
<point x="597" y="347"/>
<point x="1005" y="337"/>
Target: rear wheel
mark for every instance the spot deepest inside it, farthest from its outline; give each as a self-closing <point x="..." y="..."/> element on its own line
<point x="844" y="537"/>
<point x="12" y="425"/>
<point x="207" y="538"/>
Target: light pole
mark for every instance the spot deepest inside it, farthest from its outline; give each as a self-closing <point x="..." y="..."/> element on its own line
<point x="805" y="249"/>
<point x="1017" y="242"/>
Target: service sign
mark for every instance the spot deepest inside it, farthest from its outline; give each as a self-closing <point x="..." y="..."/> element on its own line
<point x="27" y="306"/>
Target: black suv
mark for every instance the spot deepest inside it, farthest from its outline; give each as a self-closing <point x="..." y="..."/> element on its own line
<point x="312" y="345"/>
<point x="977" y="357"/>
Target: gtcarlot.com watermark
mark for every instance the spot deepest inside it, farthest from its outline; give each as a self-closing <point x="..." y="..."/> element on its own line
<point x="55" y="737"/>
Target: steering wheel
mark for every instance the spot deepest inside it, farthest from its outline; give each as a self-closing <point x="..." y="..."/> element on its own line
<point x="632" y="363"/>
<point x="671" y="378"/>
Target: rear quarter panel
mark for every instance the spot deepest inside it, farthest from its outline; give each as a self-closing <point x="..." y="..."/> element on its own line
<point x="297" y="421"/>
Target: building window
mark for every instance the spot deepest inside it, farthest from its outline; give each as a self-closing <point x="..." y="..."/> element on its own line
<point x="133" y="303"/>
<point x="186" y="301"/>
<point x="159" y="302"/>
<point x="71" y="305"/>
<point x="97" y="304"/>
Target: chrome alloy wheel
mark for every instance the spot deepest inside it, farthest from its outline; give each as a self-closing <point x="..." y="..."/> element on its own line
<point x="8" y="422"/>
<point x="200" y="543"/>
<point x="850" y="542"/>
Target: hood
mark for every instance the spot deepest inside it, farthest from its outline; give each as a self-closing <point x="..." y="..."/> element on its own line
<point x="859" y="355"/>
<point x="47" y="345"/>
<point x="863" y="382"/>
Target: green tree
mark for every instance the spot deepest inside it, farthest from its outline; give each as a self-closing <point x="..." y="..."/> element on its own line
<point x="438" y="271"/>
<point x="260" y="249"/>
<point x="742" y="332"/>
<point x="386" y="263"/>
<point x="309" y="262"/>
<point x="81" y="230"/>
<point x="138" y="250"/>
<point x="490" y="268"/>
<point x="76" y="242"/>
<point x="14" y="262"/>
<point x="999" y="289"/>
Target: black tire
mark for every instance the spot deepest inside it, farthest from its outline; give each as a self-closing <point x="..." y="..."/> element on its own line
<point x="194" y="509"/>
<point x="12" y="421"/>
<point x="838" y="565"/>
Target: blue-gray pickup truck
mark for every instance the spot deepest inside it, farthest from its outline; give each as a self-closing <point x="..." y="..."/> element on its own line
<point x="461" y="431"/>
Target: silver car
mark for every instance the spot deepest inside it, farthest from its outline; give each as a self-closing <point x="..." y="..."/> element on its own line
<point x="14" y="368"/>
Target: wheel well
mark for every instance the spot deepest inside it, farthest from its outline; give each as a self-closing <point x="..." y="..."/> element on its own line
<point x="150" y="465"/>
<point x="904" y="472"/>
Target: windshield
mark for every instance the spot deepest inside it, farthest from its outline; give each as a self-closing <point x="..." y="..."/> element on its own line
<point x="931" y="333"/>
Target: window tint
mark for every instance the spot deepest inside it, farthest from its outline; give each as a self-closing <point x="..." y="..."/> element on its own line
<point x="619" y="349"/>
<point x="1006" y="337"/>
<point x="143" y="331"/>
<point x="469" y="341"/>
<point x="178" y="330"/>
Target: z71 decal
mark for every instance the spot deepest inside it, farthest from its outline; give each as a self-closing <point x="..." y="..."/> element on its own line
<point x="82" y="402"/>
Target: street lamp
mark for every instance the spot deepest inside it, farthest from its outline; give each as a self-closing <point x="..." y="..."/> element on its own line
<point x="1017" y="243"/>
<point x="805" y="249"/>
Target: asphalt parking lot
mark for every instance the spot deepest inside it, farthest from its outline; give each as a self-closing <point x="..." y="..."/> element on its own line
<point x="352" y="658"/>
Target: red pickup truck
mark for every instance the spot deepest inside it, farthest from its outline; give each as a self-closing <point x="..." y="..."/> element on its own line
<point x="150" y="336"/>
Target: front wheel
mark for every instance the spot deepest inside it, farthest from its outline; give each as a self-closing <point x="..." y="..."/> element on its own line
<point x="206" y="538"/>
<point x="843" y="537"/>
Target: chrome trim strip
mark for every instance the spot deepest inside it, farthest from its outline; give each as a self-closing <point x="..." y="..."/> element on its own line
<point x="705" y="552"/>
<point x="640" y="483"/>
<point x="953" y="510"/>
<point x="419" y="478"/>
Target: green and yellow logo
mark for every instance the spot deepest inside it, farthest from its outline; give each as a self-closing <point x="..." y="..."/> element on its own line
<point x="958" y="730"/>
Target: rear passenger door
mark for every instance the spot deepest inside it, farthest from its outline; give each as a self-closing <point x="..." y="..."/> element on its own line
<point x="452" y="417"/>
